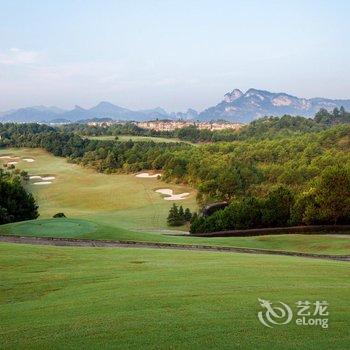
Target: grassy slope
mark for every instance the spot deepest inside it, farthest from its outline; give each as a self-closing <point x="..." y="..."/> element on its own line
<point x="134" y="298"/>
<point x="77" y="228"/>
<point x="116" y="200"/>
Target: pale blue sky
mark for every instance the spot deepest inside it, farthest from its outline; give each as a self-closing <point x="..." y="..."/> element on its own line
<point x="174" y="54"/>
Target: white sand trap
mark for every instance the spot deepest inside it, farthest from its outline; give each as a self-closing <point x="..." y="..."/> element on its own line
<point x="28" y="160"/>
<point x="177" y="197"/>
<point x="166" y="191"/>
<point x="33" y="177"/>
<point x="147" y="175"/>
<point x="48" y="178"/>
<point x="170" y="194"/>
<point x="42" y="183"/>
<point x="43" y="178"/>
<point x="12" y="163"/>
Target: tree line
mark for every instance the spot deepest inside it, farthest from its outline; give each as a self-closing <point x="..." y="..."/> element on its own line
<point x="327" y="201"/>
<point x="337" y="116"/>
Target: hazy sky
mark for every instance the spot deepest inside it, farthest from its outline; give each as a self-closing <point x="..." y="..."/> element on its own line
<point x="175" y="54"/>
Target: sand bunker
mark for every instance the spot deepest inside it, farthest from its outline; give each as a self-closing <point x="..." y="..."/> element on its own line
<point x="147" y="175"/>
<point x="28" y="160"/>
<point x="12" y="163"/>
<point x="32" y="177"/>
<point x="48" y="178"/>
<point x="44" y="178"/>
<point x="170" y="196"/>
<point x="42" y="183"/>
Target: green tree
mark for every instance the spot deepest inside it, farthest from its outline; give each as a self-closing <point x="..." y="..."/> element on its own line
<point x="278" y="207"/>
<point x="187" y="215"/>
<point x="16" y="204"/>
<point x="174" y="218"/>
<point x="181" y="213"/>
<point x="333" y="194"/>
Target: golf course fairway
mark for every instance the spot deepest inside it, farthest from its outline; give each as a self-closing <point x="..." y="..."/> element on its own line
<point x="125" y="207"/>
<point x="64" y="297"/>
<point x="122" y="201"/>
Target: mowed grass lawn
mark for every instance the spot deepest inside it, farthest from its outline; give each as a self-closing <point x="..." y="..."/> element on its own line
<point x="97" y="298"/>
<point x="137" y="138"/>
<point x="122" y="201"/>
<point x="84" y="229"/>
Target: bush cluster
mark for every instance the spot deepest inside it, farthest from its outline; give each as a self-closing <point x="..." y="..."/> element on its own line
<point x="178" y="216"/>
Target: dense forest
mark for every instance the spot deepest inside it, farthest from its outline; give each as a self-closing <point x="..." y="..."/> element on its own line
<point x="292" y="163"/>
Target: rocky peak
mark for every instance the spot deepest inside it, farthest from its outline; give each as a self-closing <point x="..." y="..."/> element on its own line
<point x="232" y="96"/>
<point x="191" y="111"/>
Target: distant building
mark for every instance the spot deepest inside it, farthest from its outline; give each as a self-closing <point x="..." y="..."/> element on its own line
<point x="166" y="124"/>
<point x="170" y="125"/>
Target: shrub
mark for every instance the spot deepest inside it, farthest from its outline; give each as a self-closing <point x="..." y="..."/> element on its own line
<point x="177" y="216"/>
<point x="59" y="215"/>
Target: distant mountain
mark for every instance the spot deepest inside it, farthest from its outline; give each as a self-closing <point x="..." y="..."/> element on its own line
<point x="245" y="107"/>
<point x="75" y="114"/>
<point x="236" y="106"/>
<point x="31" y="114"/>
<point x="102" y="110"/>
<point x="108" y="110"/>
<point x="52" y="109"/>
<point x="188" y="115"/>
<point x="59" y="121"/>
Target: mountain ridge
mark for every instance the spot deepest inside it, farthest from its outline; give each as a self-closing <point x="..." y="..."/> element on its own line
<point x="236" y="106"/>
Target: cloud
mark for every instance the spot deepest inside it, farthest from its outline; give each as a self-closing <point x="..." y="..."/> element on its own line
<point x="15" y="56"/>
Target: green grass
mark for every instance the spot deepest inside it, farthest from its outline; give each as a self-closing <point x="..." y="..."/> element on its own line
<point x="123" y="201"/>
<point x="78" y="228"/>
<point x="98" y="298"/>
<point x="58" y="227"/>
<point x="137" y="138"/>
